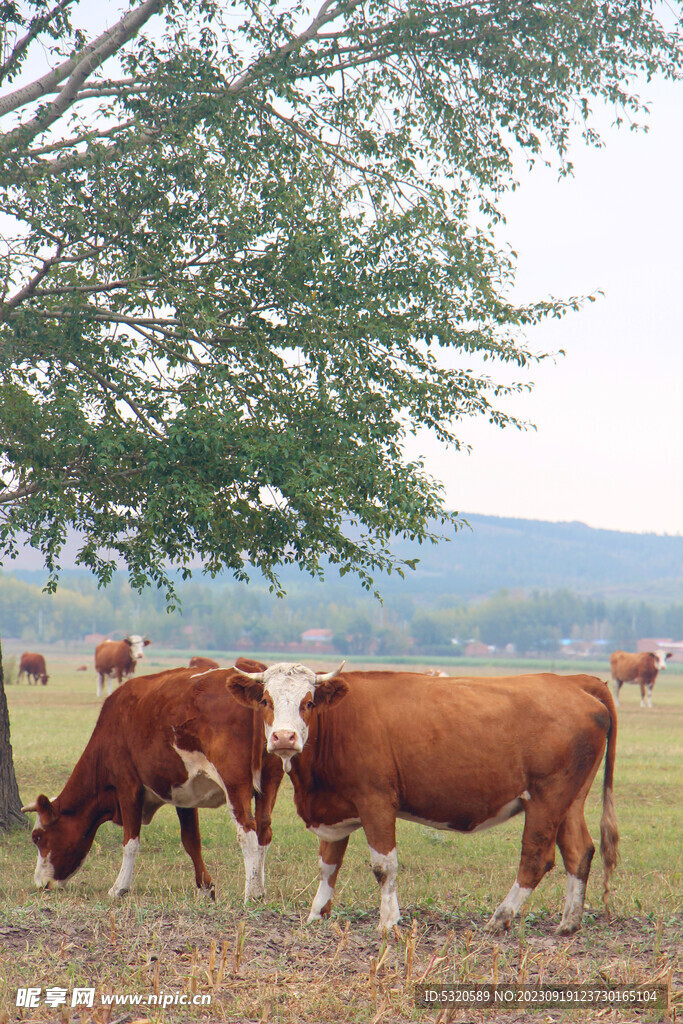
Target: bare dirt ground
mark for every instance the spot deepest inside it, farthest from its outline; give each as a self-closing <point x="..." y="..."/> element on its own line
<point x="263" y="966"/>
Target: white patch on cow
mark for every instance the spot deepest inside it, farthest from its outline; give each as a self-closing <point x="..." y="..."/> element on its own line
<point x="204" y="786"/>
<point x="125" y="876"/>
<point x="287" y="685"/>
<point x="573" y="908"/>
<point x="44" y="875"/>
<point x="254" y="886"/>
<point x="340" y="830"/>
<point x="261" y="852"/>
<point x="325" y="891"/>
<point x="661" y="658"/>
<point x="510" y="906"/>
<point x="256" y="780"/>
<point x="385" y="868"/>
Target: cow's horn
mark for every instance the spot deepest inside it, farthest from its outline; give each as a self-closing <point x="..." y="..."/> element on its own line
<point x="256" y="676"/>
<point x="324" y="677"/>
<point x="30" y="808"/>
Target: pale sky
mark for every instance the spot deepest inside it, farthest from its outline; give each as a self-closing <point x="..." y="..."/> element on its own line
<point x="608" y="450"/>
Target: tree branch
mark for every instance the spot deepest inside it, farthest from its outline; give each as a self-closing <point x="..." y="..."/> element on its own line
<point x="30" y="287"/>
<point x="22" y="45"/>
<point x="76" y="71"/>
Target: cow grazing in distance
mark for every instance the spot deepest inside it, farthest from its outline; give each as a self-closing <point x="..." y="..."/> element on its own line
<point x="116" y="659"/>
<point x="33" y="666"/>
<point x="364" y="748"/>
<point x="637" y="668"/>
<point x="203" y="663"/>
<point x="170" y="738"/>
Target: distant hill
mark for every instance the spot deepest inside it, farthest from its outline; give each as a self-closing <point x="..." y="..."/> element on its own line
<point x="531" y="554"/>
<point x="497" y="553"/>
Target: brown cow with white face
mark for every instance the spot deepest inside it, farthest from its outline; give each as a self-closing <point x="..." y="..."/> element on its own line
<point x="203" y="664"/>
<point x="116" y="659"/>
<point x="637" y="668"/>
<point x="33" y="666"/>
<point x="174" y="738"/>
<point x="364" y="748"/>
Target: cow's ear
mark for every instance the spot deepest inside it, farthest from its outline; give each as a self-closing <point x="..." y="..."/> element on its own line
<point x="668" y="655"/>
<point x="247" y="692"/>
<point x="330" y="693"/>
<point x="247" y="665"/>
<point x="44" y="809"/>
<point x="146" y="642"/>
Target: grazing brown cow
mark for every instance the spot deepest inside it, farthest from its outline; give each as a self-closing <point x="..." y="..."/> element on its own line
<point x="33" y="665"/>
<point x="203" y="663"/>
<point x="637" y="668"/>
<point x="170" y="738"/>
<point x="118" y="658"/>
<point x="364" y="748"/>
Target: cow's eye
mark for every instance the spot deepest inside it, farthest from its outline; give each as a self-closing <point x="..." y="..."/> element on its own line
<point x="35" y="838"/>
<point x="263" y="703"/>
<point x="310" y="705"/>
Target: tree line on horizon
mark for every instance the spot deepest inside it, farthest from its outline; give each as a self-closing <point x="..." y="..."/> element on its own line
<point x="239" y="617"/>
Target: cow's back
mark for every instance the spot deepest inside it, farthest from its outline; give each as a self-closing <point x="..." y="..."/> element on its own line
<point x="415" y="735"/>
<point x="113" y="654"/>
<point x="627" y="667"/>
<point x="33" y="663"/>
<point x="179" y="709"/>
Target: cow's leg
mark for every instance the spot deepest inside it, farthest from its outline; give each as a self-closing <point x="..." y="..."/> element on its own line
<point x="576" y="847"/>
<point x="239" y="802"/>
<point x="100" y="684"/>
<point x="264" y="802"/>
<point x="131" y="817"/>
<point x="192" y="842"/>
<point x="330" y="860"/>
<point x="642" y="693"/>
<point x="379" y="825"/>
<point x="538" y="857"/>
<point x="648" y="695"/>
<point x="617" y="687"/>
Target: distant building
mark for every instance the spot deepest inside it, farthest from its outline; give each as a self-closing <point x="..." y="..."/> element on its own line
<point x="94" y="638"/>
<point x="476" y="649"/>
<point x="317" y="636"/>
<point x="658" y="643"/>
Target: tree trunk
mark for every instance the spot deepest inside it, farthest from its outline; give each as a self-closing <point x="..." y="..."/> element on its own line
<point x="10" y="804"/>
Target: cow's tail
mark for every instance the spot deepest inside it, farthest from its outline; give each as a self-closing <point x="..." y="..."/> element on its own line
<point x="609" y="834"/>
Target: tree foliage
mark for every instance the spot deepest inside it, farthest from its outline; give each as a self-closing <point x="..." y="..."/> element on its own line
<point x="247" y="248"/>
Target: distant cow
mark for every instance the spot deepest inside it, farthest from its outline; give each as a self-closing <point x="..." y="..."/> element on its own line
<point x="117" y="658"/>
<point x="365" y="748"/>
<point x="637" y="668"/>
<point x="34" y="667"/>
<point x="203" y="663"/>
<point x="172" y="738"/>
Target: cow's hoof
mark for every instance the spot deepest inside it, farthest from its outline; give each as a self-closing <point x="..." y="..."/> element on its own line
<point x="255" y="896"/>
<point x="499" y="923"/>
<point x="566" y="928"/>
<point x="114" y="892"/>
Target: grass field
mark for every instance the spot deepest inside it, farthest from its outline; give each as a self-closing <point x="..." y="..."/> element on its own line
<point x="261" y="964"/>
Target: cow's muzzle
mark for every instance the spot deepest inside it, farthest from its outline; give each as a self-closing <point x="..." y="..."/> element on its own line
<point x="284" y="742"/>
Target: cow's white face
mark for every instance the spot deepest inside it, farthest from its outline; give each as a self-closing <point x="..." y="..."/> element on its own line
<point x="287" y="695"/>
<point x="137" y="646"/>
<point x="661" y="658"/>
<point x="288" y="692"/>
